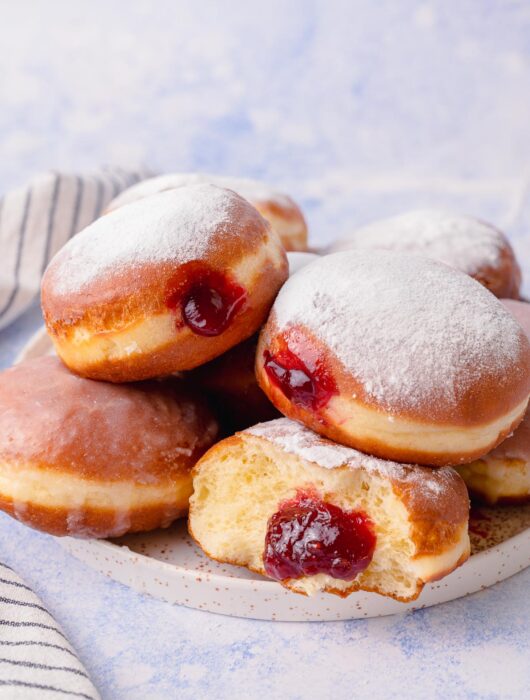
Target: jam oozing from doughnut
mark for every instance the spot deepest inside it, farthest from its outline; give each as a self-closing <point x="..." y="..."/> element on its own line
<point x="308" y="536"/>
<point x="310" y="388"/>
<point x="208" y="301"/>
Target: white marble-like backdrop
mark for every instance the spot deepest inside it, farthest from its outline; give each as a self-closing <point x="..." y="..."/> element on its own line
<point x="359" y="108"/>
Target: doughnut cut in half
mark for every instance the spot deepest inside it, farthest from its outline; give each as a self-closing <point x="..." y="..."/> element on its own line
<point x="284" y="502"/>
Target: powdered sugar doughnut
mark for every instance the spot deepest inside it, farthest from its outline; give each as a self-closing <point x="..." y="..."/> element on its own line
<point x="469" y="245"/>
<point x="503" y="475"/>
<point x="283" y="214"/>
<point x="91" y="459"/>
<point x="397" y="355"/>
<point x="317" y="516"/>
<point x="162" y="285"/>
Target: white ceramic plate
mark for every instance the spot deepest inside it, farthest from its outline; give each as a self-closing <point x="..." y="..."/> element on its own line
<point x="168" y="565"/>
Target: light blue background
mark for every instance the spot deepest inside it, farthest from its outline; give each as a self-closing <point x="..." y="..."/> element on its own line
<point x="359" y="109"/>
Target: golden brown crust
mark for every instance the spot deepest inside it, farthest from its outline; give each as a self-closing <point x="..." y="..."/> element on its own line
<point x="148" y="433"/>
<point x="92" y="522"/>
<point x="125" y="298"/>
<point x="436" y="524"/>
<point x="504" y="278"/>
<point x="287" y="220"/>
<point x="478" y="405"/>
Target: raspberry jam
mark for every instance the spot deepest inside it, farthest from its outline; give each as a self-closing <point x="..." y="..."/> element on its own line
<point x="307" y="387"/>
<point x="208" y="300"/>
<point x="308" y="536"/>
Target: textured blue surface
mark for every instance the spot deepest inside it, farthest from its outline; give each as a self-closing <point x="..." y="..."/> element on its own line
<point x="359" y="109"/>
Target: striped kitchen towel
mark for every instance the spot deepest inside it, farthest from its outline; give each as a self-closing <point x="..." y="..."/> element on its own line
<point x="36" y="660"/>
<point x="37" y="219"/>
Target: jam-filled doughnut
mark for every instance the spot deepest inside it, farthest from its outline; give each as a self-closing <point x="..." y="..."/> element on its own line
<point x="503" y="475"/>
<point x="469" y="245"/>
<point x="93" y="459"/>
<point x="231" y="379"/>
<point x="317" y="516"/>
<point x="164" y="284"/>
<point x="283" y="214"/>
<point x="397" y="355"/>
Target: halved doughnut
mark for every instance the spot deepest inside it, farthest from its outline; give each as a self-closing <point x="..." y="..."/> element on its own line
<point x="92" y="459"/>
<point x="162" y="285"/>
<point x="284" y="502"/>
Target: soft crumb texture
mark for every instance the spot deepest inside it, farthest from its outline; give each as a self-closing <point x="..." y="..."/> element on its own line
<point x="178" y="224"/>
<point x="460" y="241"/>
<point x="298" y="440"/>
<point x="408" y="329"/>
<point x="240" y="483"/>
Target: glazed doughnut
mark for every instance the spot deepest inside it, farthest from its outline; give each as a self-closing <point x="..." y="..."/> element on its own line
<point x="91" y="459"/>
<point x="503" y="475"/>
<point x="162" y="285"/>
<point x="317" y="516"/>
<point x="469" y="245"/>
<point x="396" y="355"/>
<point x="231" y="380"/>
<point x="283" y="214"/>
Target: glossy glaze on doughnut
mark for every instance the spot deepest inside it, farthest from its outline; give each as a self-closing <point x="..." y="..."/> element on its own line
<point x="397" y="355"/>
<point x="283" y="214"/>
<point x="162" y="285"/>
<point x="93" y="459"/>
<point x="472" y="246"/>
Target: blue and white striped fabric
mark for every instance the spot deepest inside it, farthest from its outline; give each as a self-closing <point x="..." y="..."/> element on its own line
<point x="36" y="660"/>
<point x="37" y="219"/>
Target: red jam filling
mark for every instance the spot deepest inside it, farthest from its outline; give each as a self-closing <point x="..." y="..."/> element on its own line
<point x="308" y="536"/>
<point x="208" y="301"/>
<point x="307" y="387"/>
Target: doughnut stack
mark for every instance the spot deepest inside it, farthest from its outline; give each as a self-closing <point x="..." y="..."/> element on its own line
<point x="320" y="418"/>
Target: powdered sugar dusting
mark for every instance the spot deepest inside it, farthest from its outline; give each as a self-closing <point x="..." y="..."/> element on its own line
<point x="460" y="241"/>
<point x="296" y="439"/>
<point x="174" y="225"/>
<point x="410" y="330"/>
<point x="251" y="190"/>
